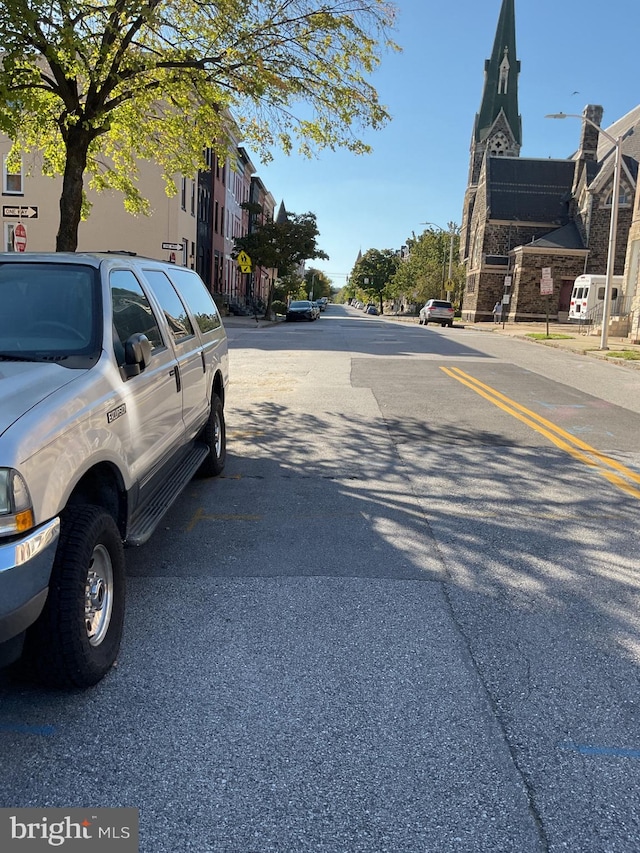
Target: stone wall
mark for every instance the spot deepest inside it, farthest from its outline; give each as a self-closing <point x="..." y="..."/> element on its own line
<point x="527" y="303"/>
<point x="599" y="237"/>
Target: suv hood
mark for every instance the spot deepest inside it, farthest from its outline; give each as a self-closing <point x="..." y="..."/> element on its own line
<point x="25" y="384"/>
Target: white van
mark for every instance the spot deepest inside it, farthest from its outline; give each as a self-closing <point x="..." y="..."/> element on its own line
<point x="588" y="290"/>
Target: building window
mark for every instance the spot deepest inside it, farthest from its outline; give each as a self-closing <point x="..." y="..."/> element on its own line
<point x="193" y="198"/>
<point x="12" y="178"/>
<point x="624" y="198"/>
<point x="183" y="194"/>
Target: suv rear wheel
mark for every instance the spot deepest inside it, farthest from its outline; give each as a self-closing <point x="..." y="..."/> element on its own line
<point x="76" y="640"/>
<point x="214" y="436"/>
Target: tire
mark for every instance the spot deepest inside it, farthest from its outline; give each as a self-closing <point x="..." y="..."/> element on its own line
<point x="451" y="325"/>
<point x="443" y="325"/>
<point x="214" y="436"/>
<point x="419" y="321"/>
<point x="75" y="641"/>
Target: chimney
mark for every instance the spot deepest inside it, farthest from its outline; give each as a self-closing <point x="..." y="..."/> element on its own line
<point x="588" y="150"/>
<point x="589" y="137"/>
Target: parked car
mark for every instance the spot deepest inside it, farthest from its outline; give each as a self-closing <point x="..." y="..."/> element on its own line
<point x="113" y="382"/>
<point x="322" y="303"/>
<point x="437" y="311"/>
<point x="300" y="309"/>
<point x="371" y="309"/>
<point x="316" y="307"/>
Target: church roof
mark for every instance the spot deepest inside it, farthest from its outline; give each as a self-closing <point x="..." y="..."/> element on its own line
<point x="567" y="237"/>
<point x="631" y="145"/>
<point x="501" y="78"/>
<point x="282" y="216"/>
<point x="524" y="190"/>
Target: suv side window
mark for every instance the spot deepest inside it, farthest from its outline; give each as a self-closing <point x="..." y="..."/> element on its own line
<point x="198" y="299"/>
<point x="132" y="312"/>
<point x="173" y="307"/>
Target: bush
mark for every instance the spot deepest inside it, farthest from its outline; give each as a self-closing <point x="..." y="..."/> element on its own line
<point x="278" y="307"/>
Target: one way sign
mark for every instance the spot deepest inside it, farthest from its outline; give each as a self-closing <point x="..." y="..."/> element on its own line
<point x="19" y="212"/>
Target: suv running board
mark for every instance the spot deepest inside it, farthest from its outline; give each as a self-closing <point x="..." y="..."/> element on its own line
<point x="145" y="523"/>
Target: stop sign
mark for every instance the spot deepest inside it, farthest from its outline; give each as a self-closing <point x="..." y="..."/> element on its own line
<point x="20" y="237"/>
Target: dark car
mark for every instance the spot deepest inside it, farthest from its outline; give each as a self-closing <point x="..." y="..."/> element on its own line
<point x="301" y="309"/>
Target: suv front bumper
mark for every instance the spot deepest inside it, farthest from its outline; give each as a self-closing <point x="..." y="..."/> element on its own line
<point x="25" y="570"/>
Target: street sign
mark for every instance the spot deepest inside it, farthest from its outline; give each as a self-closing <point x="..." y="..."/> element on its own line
<point x="20" y="237"/>
<point x="29" y="212"/>
<point x="546" y="282"/>
<point x="244" y="262"/>
<point x="173" y="247"/>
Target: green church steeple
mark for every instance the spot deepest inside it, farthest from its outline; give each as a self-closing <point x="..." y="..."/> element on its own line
<point x="501" y="80"/>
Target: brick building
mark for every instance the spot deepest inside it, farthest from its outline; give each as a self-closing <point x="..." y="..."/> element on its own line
<point x="522" y="215"/>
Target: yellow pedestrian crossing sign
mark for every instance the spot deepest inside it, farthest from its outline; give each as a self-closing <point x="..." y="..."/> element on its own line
<point x="244" y="262"/>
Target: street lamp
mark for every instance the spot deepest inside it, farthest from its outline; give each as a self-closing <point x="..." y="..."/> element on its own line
<point x="615" y="200"/>
<point x="451" y="234"/>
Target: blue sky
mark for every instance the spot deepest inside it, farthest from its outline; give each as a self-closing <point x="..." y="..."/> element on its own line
<point x="418" y="169"/>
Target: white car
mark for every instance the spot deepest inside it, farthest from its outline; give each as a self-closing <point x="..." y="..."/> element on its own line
<point x="437" y="311"/>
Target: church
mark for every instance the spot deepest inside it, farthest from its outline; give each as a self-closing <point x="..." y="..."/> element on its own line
<point x="525" y="215"/>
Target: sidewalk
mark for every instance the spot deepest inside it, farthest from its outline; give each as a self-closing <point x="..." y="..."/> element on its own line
<point x="575" y="340"/>
<point x="247" y="322"/>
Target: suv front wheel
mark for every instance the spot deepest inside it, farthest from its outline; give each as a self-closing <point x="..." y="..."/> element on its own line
<point x="76" y="640"/>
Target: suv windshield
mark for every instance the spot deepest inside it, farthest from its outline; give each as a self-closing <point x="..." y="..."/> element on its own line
<point x="48" y="310"/>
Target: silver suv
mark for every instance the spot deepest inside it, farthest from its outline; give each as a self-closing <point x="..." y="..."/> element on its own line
<point x="437" y="311"/>
<point x="113" y="374"/>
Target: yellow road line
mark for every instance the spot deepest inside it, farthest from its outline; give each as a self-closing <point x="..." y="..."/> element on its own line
<point x="564" y="440"/>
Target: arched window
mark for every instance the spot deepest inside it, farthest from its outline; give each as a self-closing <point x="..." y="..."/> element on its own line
<point x="624" y="198"/>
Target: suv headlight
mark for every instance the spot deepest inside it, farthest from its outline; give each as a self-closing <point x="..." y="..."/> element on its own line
<point x="16" y="510"/>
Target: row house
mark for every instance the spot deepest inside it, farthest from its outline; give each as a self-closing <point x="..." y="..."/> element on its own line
<point x="199" y="222"/>
<point x="261" y="210"/>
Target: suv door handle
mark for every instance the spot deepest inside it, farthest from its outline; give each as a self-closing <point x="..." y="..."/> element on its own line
<point x="176" y="372"/>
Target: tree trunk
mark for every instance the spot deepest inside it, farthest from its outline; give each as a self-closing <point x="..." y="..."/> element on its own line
<point x="268" y="311"/>
<point x="77" y="143"/>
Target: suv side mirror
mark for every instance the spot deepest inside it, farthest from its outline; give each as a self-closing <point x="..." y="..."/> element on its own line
<point x="137" y="354"/>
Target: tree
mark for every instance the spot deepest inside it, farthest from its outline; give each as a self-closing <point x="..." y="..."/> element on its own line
<point x="97" y="86"/>
<point x="374" y="272"/>
<point x="423" y="273"/>
<point x="284" y="246"/>
<point x="317" y="282"/>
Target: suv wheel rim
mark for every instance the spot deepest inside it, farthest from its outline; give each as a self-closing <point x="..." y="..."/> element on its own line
<point x="98" y="595"/>
<point x="217" y="436"/>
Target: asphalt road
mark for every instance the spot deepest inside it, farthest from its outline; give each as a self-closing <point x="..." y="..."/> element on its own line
<point x="405" y="620"/>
